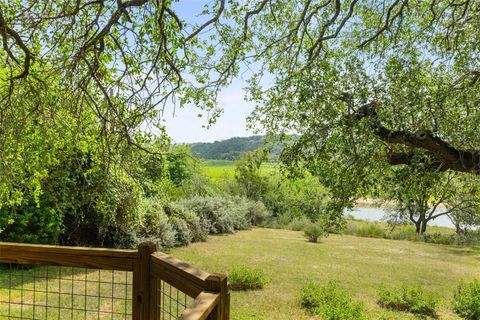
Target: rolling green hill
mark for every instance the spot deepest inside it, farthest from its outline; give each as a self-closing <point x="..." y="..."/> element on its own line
<point x="233" y="148"/>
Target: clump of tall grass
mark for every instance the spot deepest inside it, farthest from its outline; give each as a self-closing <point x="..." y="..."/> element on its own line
<point x="409" y="299"/>
<point x="330" y="302"/>
<point x="246" y="278"/>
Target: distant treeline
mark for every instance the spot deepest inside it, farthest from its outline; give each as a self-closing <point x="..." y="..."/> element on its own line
<point x="233" y="148"/>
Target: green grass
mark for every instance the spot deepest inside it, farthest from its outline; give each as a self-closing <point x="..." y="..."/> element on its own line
<point x="219" y="169"/>
<point x="359" y="266"/>
<point x="61" y="293"/>
<point x="72" y="293"/>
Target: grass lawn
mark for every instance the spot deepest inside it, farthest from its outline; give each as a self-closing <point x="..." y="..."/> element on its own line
<point x="64" y="293"/>
<point x="359" y="265"/>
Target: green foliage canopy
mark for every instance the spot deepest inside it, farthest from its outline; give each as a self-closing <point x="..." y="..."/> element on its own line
<point x="364" y="84"/>
<point x="368" y="85"/>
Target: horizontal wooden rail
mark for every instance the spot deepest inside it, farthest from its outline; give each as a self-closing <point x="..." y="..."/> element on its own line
<point x="201" y="307"/>
<point x="179" y="274"/>
<point x="81" y="257"/>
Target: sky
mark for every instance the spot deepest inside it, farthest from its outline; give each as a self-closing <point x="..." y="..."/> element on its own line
<point x="185" y="126"/>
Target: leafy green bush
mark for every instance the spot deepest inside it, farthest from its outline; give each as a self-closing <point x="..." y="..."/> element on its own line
<point x="351" y="228"/>
<point x="183" y="235"/>
<point x="245" y="278"/>
<point x="212" y="211"/>
<point x="439" y="238"/>
<point x="154" y="223"/>
<point x="405" y="232"/>
<point x="330" y="302"/>
<point x="224" y="214"/>
<point x="30" y="223"/>
<point x="409" y="299"/>
<point x="467" y="300"/>
<point x="371" y="230"/>
<point x="314" y="231"/>
<point x="198" y="228"/>
<point x="257" y="213"/>
<point x="299" y="223"/>
<point x="293" y="198"/>
<point x="470" y="238"/>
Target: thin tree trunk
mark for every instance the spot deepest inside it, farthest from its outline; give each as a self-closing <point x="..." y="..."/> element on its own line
<point x="418" y="226"/>
<point x="424" y="226"/>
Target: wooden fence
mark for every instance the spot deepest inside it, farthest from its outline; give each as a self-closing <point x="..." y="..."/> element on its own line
<point x="162" y="287"/>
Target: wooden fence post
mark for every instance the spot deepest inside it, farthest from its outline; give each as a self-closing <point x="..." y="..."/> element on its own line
<point x="217" y="283"/>
<point x="141" y="282"/>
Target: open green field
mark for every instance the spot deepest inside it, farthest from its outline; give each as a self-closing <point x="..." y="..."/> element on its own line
<point x="218" y="169"/>
<point x="359" y="265"/>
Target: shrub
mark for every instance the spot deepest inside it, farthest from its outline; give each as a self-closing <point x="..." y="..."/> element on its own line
<point x="30" y="223"/>
<point x="212" y="211"/>
<point x="439" y="238"/>
<point x="155" y="224"/>
<point x="330" y="302"/>
<point x="299" y="223"/>
<point x="237" y="209"/>
<point x="183" y="235"/>
<point x="315" y="231"/>
<point x="405" y="232"/>
<point x="409" y="299"/>
<point x="470" y="238"/>
<point x="224" y="214"/>
<point x="467" y="300"/>
<point x="371" y="230"/>
<point x="351" y="228"/>
<point x="198" y="228"/>
<point x="257" y="213"/>
<point x="245" y="278"/>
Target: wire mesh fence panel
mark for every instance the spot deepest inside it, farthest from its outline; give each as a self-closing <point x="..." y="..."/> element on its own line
<point x="170" y="302"/>
<point x="51" y="292"/>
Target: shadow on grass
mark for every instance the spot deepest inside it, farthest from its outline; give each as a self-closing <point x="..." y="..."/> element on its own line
<point x="14" y="276"/>
<point x="464" y="251"/>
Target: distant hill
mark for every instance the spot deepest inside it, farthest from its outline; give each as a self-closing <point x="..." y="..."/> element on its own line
<point x="231" y="149"/>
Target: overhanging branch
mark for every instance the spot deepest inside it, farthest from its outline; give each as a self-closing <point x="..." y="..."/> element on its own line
<point x="440" y="153"/>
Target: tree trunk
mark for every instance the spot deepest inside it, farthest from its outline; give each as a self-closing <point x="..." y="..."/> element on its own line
<point x="424" y="226"/>
<point x="418" y="224"/>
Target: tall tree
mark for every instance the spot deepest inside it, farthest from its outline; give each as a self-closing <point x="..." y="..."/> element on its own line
<point x="365" y="84"/>
<point x="89" y="75"/>
<point x="368" y="85"/>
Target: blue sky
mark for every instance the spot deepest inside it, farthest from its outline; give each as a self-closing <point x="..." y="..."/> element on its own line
<point x="185" y="125"/>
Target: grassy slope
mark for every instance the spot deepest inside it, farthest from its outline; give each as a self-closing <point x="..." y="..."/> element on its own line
<point x="360" y="265"/>
<point x="217" y="169"/>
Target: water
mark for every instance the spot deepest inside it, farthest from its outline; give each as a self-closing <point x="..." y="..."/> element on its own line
<point x="377" y="214"/>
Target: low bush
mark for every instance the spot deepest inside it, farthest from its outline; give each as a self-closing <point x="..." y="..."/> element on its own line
<point x="224" y="214"/>
<point x="470" y="238"/>
<point x="299" y="223"/>
<point x="351" y="228"/>
<point x="409" y="299"/>
<point x="30" y="223"/>
<point x="314" y="231"/>
<point x="197" y="227"/>
<point x="405" y="232"/>
<point x="245" y="278"/>
<point x="257" y="213"/>
<point x="183" y="235"/>
<point x="439" y="238"/>
<point x="371" y="230"/>
<point x="330" y="302"/>
<point x="155" y="224"/>
<point x="467" y="300"/>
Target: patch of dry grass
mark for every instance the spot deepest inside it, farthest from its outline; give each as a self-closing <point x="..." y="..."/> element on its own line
<point x="359" y="265"/>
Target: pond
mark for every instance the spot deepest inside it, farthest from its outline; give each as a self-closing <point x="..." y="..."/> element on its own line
<point x="377" y="214"/>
